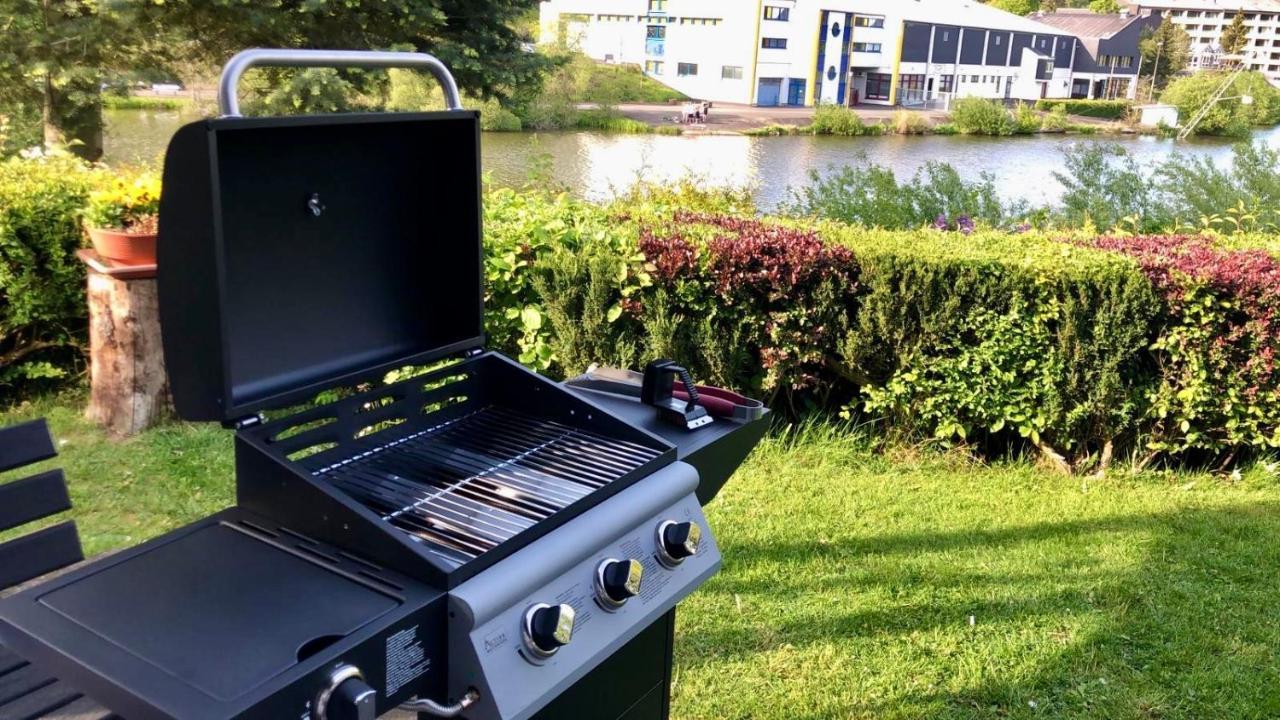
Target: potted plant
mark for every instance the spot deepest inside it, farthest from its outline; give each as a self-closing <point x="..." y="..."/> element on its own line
<point x="122" y="220"/>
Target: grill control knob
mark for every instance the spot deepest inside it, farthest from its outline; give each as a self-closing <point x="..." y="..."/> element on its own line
<point x="346" y="697"/>
<point x="677" y="541"/>
<point x="547" y="628"/>
<point x="353" y="700"/>
<point x="617" y="581"/>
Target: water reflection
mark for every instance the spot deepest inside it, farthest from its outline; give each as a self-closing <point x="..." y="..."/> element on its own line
<point x="599" y="166"/>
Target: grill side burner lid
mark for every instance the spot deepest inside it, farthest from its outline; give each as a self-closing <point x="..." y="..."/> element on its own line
<point x="298" y="254"/>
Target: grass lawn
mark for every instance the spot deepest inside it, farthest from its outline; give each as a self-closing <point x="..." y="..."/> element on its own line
<point x="857" y="585"/>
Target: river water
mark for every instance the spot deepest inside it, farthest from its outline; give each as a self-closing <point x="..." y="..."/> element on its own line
<point x="598" y="165"/>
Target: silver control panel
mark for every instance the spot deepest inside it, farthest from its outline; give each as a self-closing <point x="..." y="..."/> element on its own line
<point x="495" y="650"/>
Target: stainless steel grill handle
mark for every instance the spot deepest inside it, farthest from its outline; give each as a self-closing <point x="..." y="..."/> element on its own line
<point x="229" y="104"/>
<point x="431" y="707"/>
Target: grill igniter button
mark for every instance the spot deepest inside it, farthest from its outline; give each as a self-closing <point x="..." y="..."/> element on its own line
<point x="617" y="581"/>
<point x="547" y="628"/>
<point x="677" y="541"/>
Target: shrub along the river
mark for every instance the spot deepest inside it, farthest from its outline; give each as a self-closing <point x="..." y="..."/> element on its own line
<point x="1105" y="109"/>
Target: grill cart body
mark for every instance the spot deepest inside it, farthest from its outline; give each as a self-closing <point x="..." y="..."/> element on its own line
<point x="472" y="539"/>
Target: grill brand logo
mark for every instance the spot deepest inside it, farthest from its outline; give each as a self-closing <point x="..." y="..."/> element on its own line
<point x="495" y="641"/>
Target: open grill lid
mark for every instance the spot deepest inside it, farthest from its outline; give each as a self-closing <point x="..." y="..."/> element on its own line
<point x="304" y="253"/>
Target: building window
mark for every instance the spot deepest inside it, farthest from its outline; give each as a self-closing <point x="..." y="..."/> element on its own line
<point x="835" y="29"/>
<point x="947" y="83"/>
<point x="998" y="39"/>
<point x="657" y="6"/>
<point x="731" y="72"/>
<point x="653" y="67"/>
<point x="866" y="47"/>
<point x="878" y="86"/>
<point x="973" y="78"/>
<point x="946" y="35"/>
<point x="780" y="14"/>
<point x="1126" y="61"/>
<point x="868" y="22"/>
<point x="831" y="73"/>
<point x="686" y="69"/>
<point x="655" y="32"/>
<point x="773" y="43"/>
<point x="913" y="83"/>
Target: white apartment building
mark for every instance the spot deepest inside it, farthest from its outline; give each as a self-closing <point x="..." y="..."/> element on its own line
<point x="802" y="52"/>
<point x="1205" y="20"/>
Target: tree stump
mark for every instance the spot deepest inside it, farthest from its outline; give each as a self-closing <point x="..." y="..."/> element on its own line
<point x="130" y="390"/>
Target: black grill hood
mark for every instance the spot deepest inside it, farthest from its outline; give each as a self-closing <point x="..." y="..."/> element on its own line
<point x="299" y="254"/>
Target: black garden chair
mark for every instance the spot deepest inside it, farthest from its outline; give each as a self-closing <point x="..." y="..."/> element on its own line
<point x="26" y="692"/>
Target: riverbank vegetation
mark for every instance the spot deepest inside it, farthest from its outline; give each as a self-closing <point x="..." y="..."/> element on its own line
<point x="969" y="116"/>
<point x="1231" y="116"/>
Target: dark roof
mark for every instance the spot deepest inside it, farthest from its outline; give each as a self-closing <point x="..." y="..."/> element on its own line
<point x="1085" y="24"/>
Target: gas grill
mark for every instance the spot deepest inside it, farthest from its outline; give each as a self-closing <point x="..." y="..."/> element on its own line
<point x="420" y="523"/>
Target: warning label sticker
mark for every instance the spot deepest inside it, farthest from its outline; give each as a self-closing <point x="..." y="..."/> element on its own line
<point x="406" y="660"/>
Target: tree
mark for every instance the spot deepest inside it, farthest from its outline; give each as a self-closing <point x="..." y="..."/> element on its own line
<point x="1165" y="52"/>
<point x="52" y="57"/>
<point x="1049" y="6"/>
<point x="1235" y="36"/>
<point x="474" y="38"/>
<point x="1017" y="7"/>
<point x="1105" y="7"/>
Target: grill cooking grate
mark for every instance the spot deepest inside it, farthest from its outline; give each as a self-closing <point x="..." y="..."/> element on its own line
<point x="467" y="485"/>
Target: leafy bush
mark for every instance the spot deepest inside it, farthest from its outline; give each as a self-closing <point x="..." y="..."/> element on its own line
<point x="946" y="129"/>
<point x="906" y="122"/>
<point x="1104" y="188"/>
<point x="1026" y="121"/>
<point x="1105" y="109"/>
<point x="837" y="120"/>
<point x="977" y="116"/>
<point x="612" y="121"/>
<point x="871" y="195"/>
<point x="42" y="307"/>
<point x="1230" y="116"/>
<point x="1219" y="350"/>
<point x="1055" y="121"/>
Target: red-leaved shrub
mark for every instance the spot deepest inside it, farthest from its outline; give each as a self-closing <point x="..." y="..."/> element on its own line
<point x="1219" y="383"/>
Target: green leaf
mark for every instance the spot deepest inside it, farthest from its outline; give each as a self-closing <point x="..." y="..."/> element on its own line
<point x="531" y="318"/>
<point x="615" y="312"/>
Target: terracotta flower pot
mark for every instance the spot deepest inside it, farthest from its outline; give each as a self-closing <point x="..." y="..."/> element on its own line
<point x="124" y="247"/>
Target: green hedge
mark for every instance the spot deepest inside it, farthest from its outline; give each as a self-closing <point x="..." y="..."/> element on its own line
<point x="42" y="306"/>
<point x="1105" y="109"/>
<point x="1080" y="348"/>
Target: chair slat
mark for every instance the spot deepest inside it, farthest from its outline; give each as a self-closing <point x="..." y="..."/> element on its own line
<point x="37" y="704"/>
<point x="32" y="498"/>
<point x="43" y="551"/>
<point x="9" y="661"/>
<point x="25" y="443"/>
<point x="23" y="681"/>
<point x="82" y="709"/>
